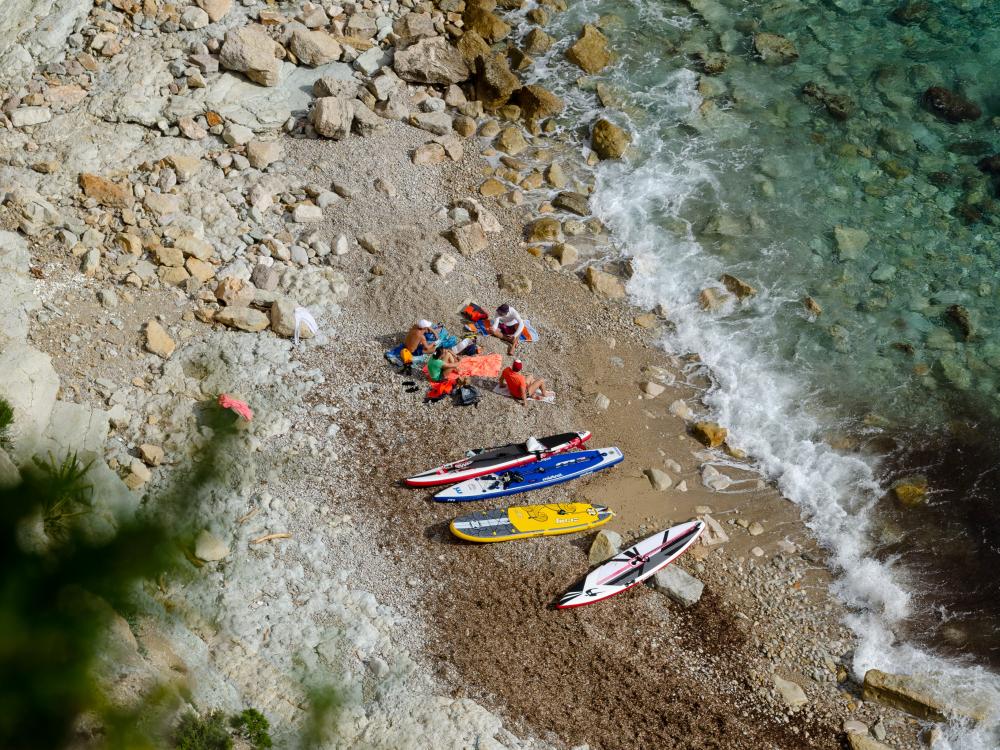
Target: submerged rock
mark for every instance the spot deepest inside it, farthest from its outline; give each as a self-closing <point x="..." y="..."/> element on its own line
<point x="910" y="492"/>
<point x="774" y="49"/>
<point x="839" y="106"/>
<point x="495" y="83"/>
<point x="537" y="103"/>
<point x="949" y="105"/>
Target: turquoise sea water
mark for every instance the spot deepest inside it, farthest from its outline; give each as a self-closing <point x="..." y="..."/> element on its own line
<point x="887" y="223"/>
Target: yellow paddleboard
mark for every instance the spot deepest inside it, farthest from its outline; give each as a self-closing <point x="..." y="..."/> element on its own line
<point x="525" y="521"/>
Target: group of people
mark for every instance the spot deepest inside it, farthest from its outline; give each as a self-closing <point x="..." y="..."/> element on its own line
<point x="443" y="362"/>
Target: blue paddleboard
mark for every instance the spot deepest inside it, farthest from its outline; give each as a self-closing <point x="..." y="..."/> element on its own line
<point x="535" y="476"/>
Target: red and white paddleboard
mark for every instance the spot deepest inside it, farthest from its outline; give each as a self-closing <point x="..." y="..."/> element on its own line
<point x="633" y="565"/>
<point x="488" y="460"/>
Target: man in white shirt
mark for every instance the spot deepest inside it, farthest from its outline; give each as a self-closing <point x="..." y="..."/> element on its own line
<point x="508" y="325"/>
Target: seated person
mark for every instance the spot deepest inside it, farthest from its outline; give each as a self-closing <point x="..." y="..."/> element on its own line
<point x="420" y="339"/>
<point x="441" y="365"/>
<point x="522" y="386"/>
<point x="508" y="325"/>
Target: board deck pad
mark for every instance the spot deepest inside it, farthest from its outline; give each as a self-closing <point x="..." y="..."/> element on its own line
<point x="526" y="521"/>
<point x="487" y="460"/>
<point x="633" y="565"/>
<point x="534" y="476"/>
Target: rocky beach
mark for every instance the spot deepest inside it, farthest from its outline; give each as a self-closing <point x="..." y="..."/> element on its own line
<point x="179" y="180"/>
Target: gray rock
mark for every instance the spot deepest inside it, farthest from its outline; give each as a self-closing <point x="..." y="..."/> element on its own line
<point x="682" y="587"/>
<point x="307" y="213"/>
<point x="27" y="116"/>
<point x="438" y="123"/>
<point x="602" y="402"/>
<point x="283" y="320"/>
<point x="370" y="61"/>
<point x="850" y="242"/>
<point x="314" y="48"/>
<point x="469" y="239"/>
<point x="366" y="122"/>
<point x="193" y="17"/>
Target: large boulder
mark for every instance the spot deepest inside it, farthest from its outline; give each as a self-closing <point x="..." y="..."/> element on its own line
<point x="949" y="105"/>
<point x="604" y="284"/>
<point x="433" y="61"/>
<point x="472" y="46"/>
<point x="488" y="25"/>
<point x="737" y="286"/>
<point x="249" y="50"/>
<point x="29" y="384"/>
<point x="774" y="49"/>
<point x="590" y="52"/>
<point x="314" y="48"/>
<point x="495" y="83"/>
<point x="468" y="239"/>
<point x="608" y="140"/>
<point x="283" y="320"/>
<point x="537" y="103"/>
<point x="332" y="116"/>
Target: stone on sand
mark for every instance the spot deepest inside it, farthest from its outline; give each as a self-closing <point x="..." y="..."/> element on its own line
<point x="791" y="692"/>
<point x="659" y="480"/>
<point x="332" y="116"/>
<point x="242" y="318"/>
<point x="468" y="239"/>
<point x="682" y="587"/>
<point x="603" y="284"/>
<point x="606" y="545"/>
<point x="158" y="341"/>
<point x="283" y="320"/>
<point x="431" y="61"/>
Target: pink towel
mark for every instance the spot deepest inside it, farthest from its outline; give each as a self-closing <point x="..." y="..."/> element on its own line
<point x="240" y="407"/>
<point x="483" y="366"/>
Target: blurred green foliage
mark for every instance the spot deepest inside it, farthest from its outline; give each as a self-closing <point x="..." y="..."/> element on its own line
<point x="202" y="733"/>
<point x="6" y="420"/>
<point x="253" y="725"/>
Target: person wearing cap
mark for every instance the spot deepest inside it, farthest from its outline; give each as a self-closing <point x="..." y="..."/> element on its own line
<point x="521" y="385"/>
<point x="416" y="341"/>
<point x="508" y="325"/>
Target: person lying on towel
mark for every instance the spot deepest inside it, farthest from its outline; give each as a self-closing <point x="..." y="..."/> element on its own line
<point x="508" y="325"/>
<point x="521" y="385"/>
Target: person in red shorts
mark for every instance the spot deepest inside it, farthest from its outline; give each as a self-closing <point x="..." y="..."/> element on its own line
<point x="522" y="386"/>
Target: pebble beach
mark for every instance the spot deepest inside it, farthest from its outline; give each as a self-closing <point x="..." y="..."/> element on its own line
<point x="176" y="179"/>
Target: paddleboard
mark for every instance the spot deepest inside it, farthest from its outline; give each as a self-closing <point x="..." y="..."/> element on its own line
<point x="487" y="460"/>
<point x="526" y="521"/>
<point x="633" y="565"/>
<point x="534" y="476"/>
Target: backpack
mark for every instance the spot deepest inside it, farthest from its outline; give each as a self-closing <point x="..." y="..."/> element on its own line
<point x="467" y="395"/>
<point x="475" y="313"/>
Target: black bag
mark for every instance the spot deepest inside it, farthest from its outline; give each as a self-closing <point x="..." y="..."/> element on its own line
<point x="467" y="395"/>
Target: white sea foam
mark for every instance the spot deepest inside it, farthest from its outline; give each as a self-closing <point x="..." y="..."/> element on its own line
<point x="766" y="404"/>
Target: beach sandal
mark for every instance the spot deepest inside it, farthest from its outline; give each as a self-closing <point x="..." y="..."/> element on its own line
<point x="409" y="382"/>
<point x="412" y="389"/>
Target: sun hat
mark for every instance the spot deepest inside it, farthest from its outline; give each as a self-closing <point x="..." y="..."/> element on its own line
<point x="517" y="366"/>
<point x="424" y="323"/>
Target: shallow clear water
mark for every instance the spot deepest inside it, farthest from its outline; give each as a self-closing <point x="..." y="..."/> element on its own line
<point x="741" y="173"/>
